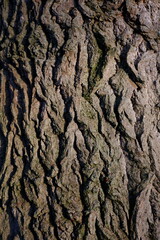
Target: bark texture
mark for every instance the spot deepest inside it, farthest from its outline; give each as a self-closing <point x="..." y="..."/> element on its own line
<point x="79" y="120"/>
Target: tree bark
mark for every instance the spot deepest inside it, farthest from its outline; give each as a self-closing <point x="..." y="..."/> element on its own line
<point x="79" y="120"/>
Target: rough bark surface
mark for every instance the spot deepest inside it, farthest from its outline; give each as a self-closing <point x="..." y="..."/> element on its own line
<point x="79" y="120"/>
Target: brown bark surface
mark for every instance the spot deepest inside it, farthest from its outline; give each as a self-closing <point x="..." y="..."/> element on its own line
<point x="79" y="120"/>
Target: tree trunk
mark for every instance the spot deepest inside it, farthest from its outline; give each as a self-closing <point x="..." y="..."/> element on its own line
<point x="79" y="120"/>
